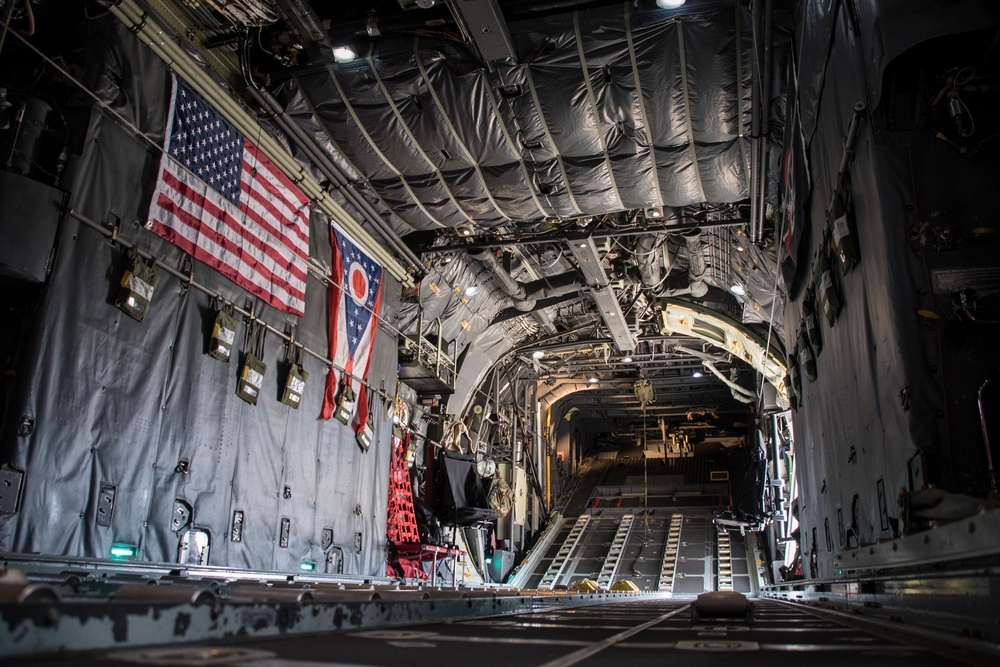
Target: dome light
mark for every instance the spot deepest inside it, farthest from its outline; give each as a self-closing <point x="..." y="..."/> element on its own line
<point x="669" y="4"/>
<point x="471" y="290"/>
<point x="537" y="354"/>
<point x="592" y="379"/>
<point x="626" y="360"/>
<point x="738" y="290"/>
<point x="697" y="374"/>
<point x="344" y="54"/>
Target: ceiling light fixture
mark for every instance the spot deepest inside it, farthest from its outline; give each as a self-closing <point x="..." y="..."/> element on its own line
<point x="669" y="4"/>
<point x="738" y="290"/>
<point x="592" y="379"/>
<point x="471" y="290"/>
<point x="344" y="54"/>
<point x="697" y="374"/>
<point x="626" y="360"/>
<point x="537" y="354"/>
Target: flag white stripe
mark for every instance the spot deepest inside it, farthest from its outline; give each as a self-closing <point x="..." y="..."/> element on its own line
<point x="284" y="283"/>
<point x="285" y="238"/>
<point x="237" y="237"/>
<point x="233" y="263"/>
<point x="291" y="208"/>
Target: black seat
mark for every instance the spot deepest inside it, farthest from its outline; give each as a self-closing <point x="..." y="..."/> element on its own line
<point x="460" y="499"/>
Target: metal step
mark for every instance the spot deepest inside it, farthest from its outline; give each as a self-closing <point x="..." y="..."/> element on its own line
<point x="614" y="557"/>
<point x="666" y="581"/>
<point x="555" y="568"/>
<point x="724" y="561"/>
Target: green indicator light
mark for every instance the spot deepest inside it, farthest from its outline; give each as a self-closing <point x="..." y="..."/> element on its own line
<point x="120" y="551"/>
<point x="307" y="566"/>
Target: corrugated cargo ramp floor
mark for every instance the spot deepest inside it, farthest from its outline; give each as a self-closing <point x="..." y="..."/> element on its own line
<point x="636" y="633"/>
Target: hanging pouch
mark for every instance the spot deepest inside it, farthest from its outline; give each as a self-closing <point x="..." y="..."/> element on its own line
<point x="501" y="497"/>
<point x="365" y="433"/>
<point x="137" y="285"/>
<point x="794" y="381"/>
<point x="843" y="227"/>
<point x="811" y="322"/>
<point x="806" y="358"/>
<point x="295" y="381"/>
<point x="345" y="402"/>
<point x="826" y="290"/>
<point x="223" y="333"/>
<point x="252" y="374"/>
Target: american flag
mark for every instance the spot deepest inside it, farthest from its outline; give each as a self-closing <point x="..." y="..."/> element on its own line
<point x="355" y="299"/>
<point x="222" y="201"/>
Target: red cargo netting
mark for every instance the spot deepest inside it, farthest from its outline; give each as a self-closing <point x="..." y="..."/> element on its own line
<point x="401" y="527"/>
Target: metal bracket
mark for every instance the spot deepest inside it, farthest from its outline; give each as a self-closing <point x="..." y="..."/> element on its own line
<point x="114" y="222"/>
<point x="289" y="342"/>
<point x="286" y="530"/>
<point x="106" y="504"/>
<point x="187" y="268"/>
<point x="236" y="534"/>
<point x="883" y="509"/>
<point x="181" y="516"/>
<point x="11" y="483"/>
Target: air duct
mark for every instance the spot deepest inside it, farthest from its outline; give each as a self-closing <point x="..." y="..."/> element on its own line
<point x="524" y="296"/>
<point x="648" y="259"/>
<point x="697" y="268"/>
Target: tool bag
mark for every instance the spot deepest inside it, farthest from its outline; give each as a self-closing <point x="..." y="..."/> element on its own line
<point x="137" y="285"/>
<point x="793" y="381"/>
<point x="811" y="321"/>
<point x="826" y="289"/>
<point x="345" y="402"/>
<point x="252" y="374"/>
<point x="365" y="433"/>
<point x="843" y="227"/>
<point x="223" y="332"/>
<point x="501" y="497"/>
<point x="295" y="381"/>
<point x="807" y="358"/>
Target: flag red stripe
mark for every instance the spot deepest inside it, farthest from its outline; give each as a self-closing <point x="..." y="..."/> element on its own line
<point x="265" y="162"/>
<point x="217" y="213"/>
<point x="300" y="244"/>
<point x="216" y="263"/>
<point x="165" y="204"/>
<point x="259" y="175"/>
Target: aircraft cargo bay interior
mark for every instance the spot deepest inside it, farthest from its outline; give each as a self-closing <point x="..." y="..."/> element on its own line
<point x="550" y="333"/>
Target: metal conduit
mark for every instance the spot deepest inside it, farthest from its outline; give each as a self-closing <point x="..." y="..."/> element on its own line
<point x="163" y="45"/>
<point x="760" y="204"/>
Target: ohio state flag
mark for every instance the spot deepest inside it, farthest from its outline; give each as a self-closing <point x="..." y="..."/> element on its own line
<point x="355" y="299"/>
